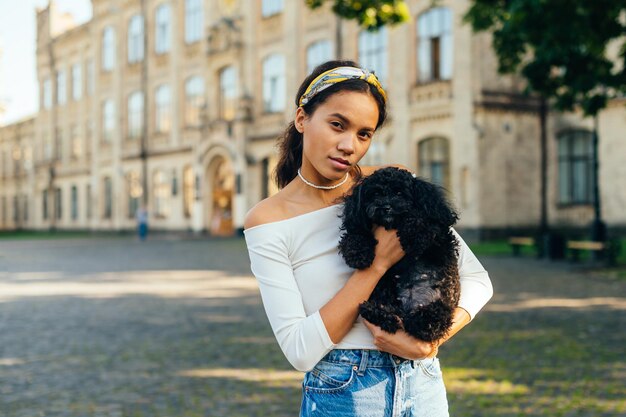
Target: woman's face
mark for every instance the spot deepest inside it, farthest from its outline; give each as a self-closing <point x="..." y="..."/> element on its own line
<point x="336" y="135"/>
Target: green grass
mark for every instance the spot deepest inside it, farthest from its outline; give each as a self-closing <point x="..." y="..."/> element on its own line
<point x="502" y="248"/>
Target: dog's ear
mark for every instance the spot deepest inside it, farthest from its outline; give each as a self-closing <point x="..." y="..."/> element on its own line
<point x="432" y="202"/>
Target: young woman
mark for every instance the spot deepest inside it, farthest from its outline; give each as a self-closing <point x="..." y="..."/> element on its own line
<point x="310" y="295"/>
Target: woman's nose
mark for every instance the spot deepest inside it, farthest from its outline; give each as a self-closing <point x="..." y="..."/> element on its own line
<point x="346" y="144"/>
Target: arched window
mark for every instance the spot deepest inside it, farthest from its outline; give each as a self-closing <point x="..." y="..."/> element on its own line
<point x="163" y="109"/>
<point x="228" y="93"/>
<point x="135" y="115"/>
<point x="434" y="44"/>
<point x="163" y="29"/>
<point x="274" y="83"/>
<point x="318" y="53"/>
<point x="135" y="39"/>
<point x="373" y="52"/>
<point x="194" y="100"/>
<point x="108" y="48"/>
<point x="434" y="160"/>
<point x="193" y="20"/>
<point x="575" y="167"/>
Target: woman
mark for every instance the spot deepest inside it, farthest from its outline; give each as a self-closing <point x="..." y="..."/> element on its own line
<point x="310" y="295"/>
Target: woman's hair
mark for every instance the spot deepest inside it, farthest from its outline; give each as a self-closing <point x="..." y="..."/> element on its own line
<point x="290" y="144"/>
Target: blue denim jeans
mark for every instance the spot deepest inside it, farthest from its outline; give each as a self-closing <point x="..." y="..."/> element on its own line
<point x="370" y="383"/>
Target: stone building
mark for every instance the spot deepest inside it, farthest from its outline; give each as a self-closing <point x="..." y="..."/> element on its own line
<point x="181" y="102"/>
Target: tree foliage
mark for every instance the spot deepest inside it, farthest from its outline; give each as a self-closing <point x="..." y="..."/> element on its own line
<point x="371" y="14"/>
<point x="563" y="47"/>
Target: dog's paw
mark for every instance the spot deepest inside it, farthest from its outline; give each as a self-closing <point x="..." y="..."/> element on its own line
<point x="357" y="250"/>
<point x="381" y="316"/>
<point x="430" y="323"/>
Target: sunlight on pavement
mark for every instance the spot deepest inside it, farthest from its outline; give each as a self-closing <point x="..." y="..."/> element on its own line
<point x="614" y="303"/>
<point x="167" y="284"/>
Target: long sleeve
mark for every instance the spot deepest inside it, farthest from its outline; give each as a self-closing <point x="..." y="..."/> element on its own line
<point x="476" y="287"/>
<point x="303" y="339"/>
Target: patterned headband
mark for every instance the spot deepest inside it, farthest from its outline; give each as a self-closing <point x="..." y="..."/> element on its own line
<point x="337" y="75"/>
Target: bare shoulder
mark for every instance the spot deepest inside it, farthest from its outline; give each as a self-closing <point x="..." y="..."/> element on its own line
<point x="265" y="211"/>
<point x="367" y="170"/>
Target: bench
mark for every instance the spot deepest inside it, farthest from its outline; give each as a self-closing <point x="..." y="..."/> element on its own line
<point x="517" y="242"/>
<point x="606" y="250"/>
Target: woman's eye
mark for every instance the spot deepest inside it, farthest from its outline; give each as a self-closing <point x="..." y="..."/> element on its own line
<point x="336" y="124"/>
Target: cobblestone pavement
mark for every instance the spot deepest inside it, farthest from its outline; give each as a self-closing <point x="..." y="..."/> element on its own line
<point x="175" y="327"/>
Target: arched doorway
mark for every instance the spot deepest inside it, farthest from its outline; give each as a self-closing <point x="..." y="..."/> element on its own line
<point x="222" y="183"/>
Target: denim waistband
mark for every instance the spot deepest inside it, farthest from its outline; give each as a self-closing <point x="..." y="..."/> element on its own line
<point x="365" y="358"/>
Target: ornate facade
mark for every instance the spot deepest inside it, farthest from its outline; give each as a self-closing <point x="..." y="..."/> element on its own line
<point x="179" y="103"/>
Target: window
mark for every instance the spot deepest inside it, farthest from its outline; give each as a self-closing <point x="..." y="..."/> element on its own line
<point x="108" y="48"/>
<point x="163" y="109"/>
<point x="135" y="115"/>
<point x="162" y="193"/>
<point x="434" y="44"/>
<point x="74" y="205"/>
<point x="163" y="29"/>
<point x="134" y="192"/>
<point x="188" y="191"/>
<point x="317" y="53"/>
<point x="434" y="157"/>
<point x="47" y="93"/>
<point x="193" y="20"/>
<point x="108" y="198"/>
<point x="194" y="100"/>
<point x="274" y="83"/>
<point x="373" y="52"/>
<point x="25" y="208"/>
<point x="575" y="167"/>
<point x="58" y="203"/>
<point x="61" y="88"/>
<point x="108" y="120"/>
<point x="271" y="7"/>
<point x="16" y="209"/>
<point x="375" y="154"/>
<point x="91" y="77"/>
<point x="228" y="93"/>
<point x="44" y="204"/>
<point x="76" y="143"/>
<point x="135" y="39"/>
<point x="77" y="82"/>
<point x="88" y="201"/>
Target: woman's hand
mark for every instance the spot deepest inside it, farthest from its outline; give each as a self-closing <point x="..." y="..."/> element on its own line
<point x="401" y="343"/>
<point x="388" y="249"/>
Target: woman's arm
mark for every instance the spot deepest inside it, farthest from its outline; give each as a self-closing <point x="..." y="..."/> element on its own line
<point x="342" y="310"/>
<point x="305" y="339"/>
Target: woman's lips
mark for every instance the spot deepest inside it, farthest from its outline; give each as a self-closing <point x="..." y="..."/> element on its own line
<point x="340" y="163"/>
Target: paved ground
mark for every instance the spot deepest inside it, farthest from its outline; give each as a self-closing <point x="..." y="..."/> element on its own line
<point x="169" y="328"/>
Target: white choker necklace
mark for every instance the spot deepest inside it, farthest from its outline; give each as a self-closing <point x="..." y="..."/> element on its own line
<point x="323" y="187"/>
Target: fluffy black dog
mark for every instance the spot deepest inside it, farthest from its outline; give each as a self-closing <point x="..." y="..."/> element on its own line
<point x="421" y="291"/>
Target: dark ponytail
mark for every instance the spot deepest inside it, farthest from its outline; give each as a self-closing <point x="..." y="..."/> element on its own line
<point x="290" y="143"/>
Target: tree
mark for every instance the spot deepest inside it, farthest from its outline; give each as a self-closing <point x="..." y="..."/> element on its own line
<point x="563" y="50"/>
<point x="371" y="14"/>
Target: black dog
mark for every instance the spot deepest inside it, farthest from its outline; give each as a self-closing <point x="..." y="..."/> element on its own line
<point x="421" y="291"/>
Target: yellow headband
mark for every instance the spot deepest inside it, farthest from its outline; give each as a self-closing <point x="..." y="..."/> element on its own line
<point x="337" y="75"/>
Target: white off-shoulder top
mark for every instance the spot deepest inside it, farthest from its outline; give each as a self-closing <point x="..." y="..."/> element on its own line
<point x="299" y="269"/>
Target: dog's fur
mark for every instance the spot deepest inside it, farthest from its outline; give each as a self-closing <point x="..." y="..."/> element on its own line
<point x="420" y="292"/>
